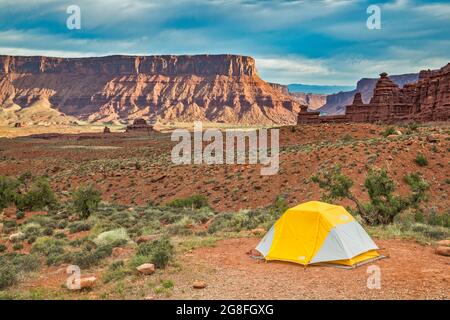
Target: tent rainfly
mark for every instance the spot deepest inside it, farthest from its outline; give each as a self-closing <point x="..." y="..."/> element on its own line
<point x="318" y="233"/>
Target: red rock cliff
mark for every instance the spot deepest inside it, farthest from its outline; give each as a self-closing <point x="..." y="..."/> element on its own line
<point x="180" y="88"/>
<point x="426" y="100"/>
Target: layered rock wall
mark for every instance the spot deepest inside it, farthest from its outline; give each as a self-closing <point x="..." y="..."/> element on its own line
<point x="223" y="88"/>
<point x="426" y="100"/>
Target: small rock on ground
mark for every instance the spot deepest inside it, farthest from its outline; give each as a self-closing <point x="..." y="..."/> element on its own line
<point x="199" y="284"/>
<point x="146" y="268"/>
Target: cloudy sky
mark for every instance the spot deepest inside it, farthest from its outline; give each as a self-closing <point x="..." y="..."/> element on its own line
<point x="293" y="41"/>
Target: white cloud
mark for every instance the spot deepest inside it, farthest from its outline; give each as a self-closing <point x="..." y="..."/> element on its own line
<point x="396" y="4"/>
<point x="436" y="10"/>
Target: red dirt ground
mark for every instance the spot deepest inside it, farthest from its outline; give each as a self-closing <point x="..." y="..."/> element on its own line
<point x="411" y="272"/>
<point x="109" y="161"/>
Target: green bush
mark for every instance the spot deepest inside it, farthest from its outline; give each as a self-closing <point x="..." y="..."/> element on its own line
<point x="20" y="214"/>
<point x="384" y="205"/>
<point x="47" y="232"/>
<point x="14" y="265"/>
<point x="8" y="191"/>
<point x="31" y="240"/>
<point x="182" y="226"/>
<point x="9" y="224"/>
<point x="62" y="224"/>
<point x="60" y="235"/>
<point x="412" y="127"/>
<point x="196" y="201"/>
<point x="419" y="187"/>
<point x="85" y="200"/>
<point x="2" y="247"/>
<point x="388" y="131"/>
<point x="39" y="197"/>
<point x="87" y="259"/>
<point x="32" y="230"/>
<point x="419" y="217"/>
<point x="116" y="271"/>
<point x="249" y="219"/>
<point x="79" y="226"/>
<point x="17" y="246"/>
<point x="436" y="219"/>
<point x="432" y="232"/>
<point x="53" y="249"/>
<point x="159" y="252"/>
<point x="421" y="160"/>
<point x="8" y="277"/>
<point x="112" y="236"/>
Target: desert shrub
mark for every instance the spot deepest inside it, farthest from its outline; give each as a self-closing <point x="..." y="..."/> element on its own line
<point x="20" y="214"/>
<point x="419" y="187"/>
<point x="159" y="252"/>
<point x="196" y="201"/>
<point x="13" y="266"/>
<point x="123" y="219"/>
<point x="9" y="226"/>
<point x="181" y="227"/>
<point x="421" y="160"/>
<point x="279" y="207"/>
<point x="17" y="246"/>
<point x="112" y="236"/>
<point x="249" y="219"/>
<point x="39" y="197"/>
<point x="412" y="127"/>
<point x="337" y="186"/>
<point x="240" y="221"/>
<point x="8" y="277"/>
<point x="419" y="217"/>
<point x="62" y="224"/>
<point x="47" y="232"/>
<point x="60" y="235"/>
<point x="43" y="221"/>
<point x="165" y="287"/>
<point x="53" y="249"/>
<point x="79" y="226"/>
<point x="8" y="191"/>
<point x="116" y="271"/>
<point x="347" y="138"/>
<point x="26" y="262"/>
<point x="137" y="165"/>
<point x="432" y="232"/>
<point x="85" y="200"/>
<point x="167" y="284"/>
<point x="436" y="219"/>
<point x="424" y="233"/>
<point x="201" y="215"/>
<point x="25" y="178"/>
<point x="31" y="230"/>
<point x="388" y="131"/>
<point x="87" y="259"/>
<point x="384" y="205"/>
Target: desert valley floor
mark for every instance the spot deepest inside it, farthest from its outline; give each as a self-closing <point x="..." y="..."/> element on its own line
<point x="134" y="169"/>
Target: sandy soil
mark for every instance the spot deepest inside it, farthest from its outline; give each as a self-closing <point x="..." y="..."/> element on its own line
<point x="412" y="271"/>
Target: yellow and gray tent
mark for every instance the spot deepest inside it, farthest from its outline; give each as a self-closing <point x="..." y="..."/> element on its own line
<point x="318" y="233"/>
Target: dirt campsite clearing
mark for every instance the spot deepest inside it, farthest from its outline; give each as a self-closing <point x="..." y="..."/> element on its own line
<point x="410" y="271"/>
